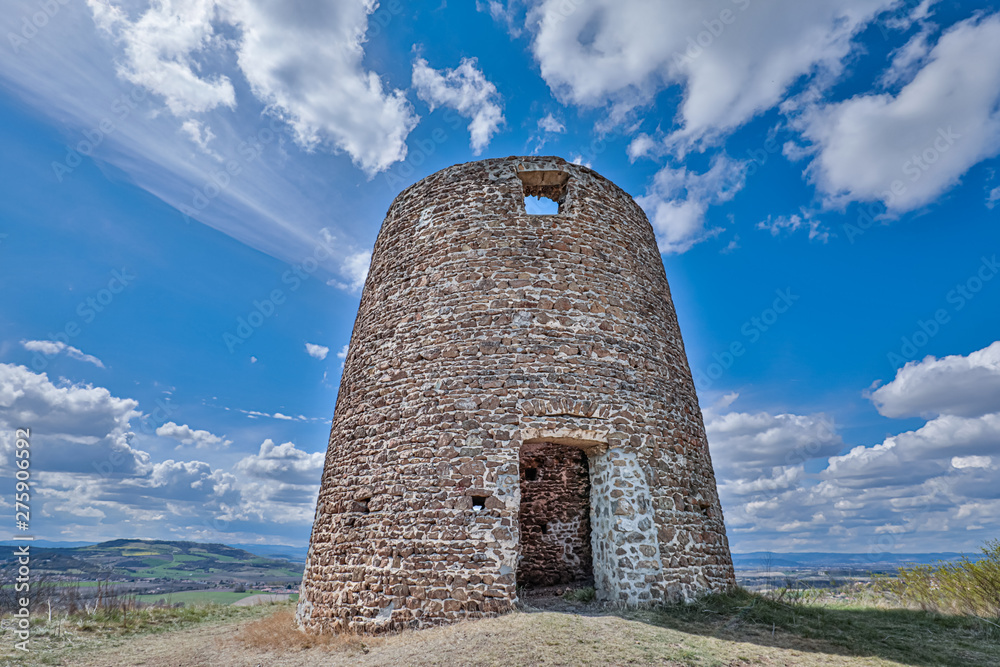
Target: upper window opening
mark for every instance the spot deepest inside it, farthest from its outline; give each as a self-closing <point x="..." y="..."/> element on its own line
<point x="540" y="206"/>
<point x="544" y="190"/>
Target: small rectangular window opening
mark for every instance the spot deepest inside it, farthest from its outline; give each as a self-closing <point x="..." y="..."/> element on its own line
<point x="531" y="473"/>
<point x="479" y="502"/>
<point x="540" y="206"/>
<point x="544" y="190"/>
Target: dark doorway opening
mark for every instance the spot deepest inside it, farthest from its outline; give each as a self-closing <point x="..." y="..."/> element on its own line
<point x="554" y="517"/>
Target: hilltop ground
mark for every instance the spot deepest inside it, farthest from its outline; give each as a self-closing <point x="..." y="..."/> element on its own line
<point x="734" y="631"/>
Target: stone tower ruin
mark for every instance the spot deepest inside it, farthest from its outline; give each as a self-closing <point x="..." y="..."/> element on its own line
<point x="516" y="411"/>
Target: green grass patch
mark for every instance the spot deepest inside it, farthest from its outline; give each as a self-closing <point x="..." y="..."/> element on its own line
<point x="913" y="637"/>
<point x="189" y="558"/>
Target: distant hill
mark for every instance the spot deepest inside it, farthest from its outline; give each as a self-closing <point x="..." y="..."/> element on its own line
<point x="157" y="559"/>
<point x="276" y="551"/>
<point x="760" y="559"/>
<point x="284" y="551"/>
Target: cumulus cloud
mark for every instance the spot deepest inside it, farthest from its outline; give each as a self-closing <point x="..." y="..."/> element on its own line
<point x="354" y="269"/>
<point x="282" y="482"/>
<point x="91" y="415"/>
<point x="967" y="386"/>
<point x="306" y="66"/>
<point x="92" y="480"/>
<point x="186" y="435"/>
<point x="317" y="351"/>
<point x="908" y="148"/>
<point x="161" y="48"/>
<point x="466" y="90"/>
<point x="51" y="348"/>
<point x="733" y="60"/>
<point x="283" y="463"/>
<point x="678" y="200"/>
<point x="785" y="484"/>
<point x="748" y="446"/>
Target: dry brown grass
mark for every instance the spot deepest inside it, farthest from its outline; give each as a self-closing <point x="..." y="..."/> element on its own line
<point x="278" y="632"/>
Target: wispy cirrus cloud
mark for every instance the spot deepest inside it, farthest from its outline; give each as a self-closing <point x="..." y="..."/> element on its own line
<point x="51" y="348"/>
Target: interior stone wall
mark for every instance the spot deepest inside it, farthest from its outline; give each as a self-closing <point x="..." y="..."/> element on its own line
<point x="554" y="516"/>
<point x="481" y="330"/>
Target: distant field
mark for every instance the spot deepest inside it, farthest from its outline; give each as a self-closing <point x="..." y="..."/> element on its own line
<point x="197" y="597"/>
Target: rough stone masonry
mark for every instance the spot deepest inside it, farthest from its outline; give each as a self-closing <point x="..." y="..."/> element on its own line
<point x="516" y="410"/>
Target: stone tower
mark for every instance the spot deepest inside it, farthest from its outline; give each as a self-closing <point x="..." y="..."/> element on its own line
<point x="516" y="410"/>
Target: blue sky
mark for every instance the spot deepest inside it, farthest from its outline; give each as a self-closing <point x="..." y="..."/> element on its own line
<point x="191" y="190"/>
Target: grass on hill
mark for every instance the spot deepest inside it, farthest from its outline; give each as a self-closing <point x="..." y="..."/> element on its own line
<point x="737" y="629"/>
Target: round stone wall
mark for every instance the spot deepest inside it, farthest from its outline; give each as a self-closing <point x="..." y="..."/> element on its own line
<point x="483" y="329"/>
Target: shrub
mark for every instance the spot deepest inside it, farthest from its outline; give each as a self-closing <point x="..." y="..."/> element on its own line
<point x="970" y="587"/>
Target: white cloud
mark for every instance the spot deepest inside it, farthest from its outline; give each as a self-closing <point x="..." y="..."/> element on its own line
<point x="908" y="58"/>
<point x="792" y="223"/>
<point x="317" y="351"/>
<point x="971" y="462"/>
<point x="92" y="481"/>
<point x="919" y="486"/>
<point x="189" y="436"/>
<point x="734" y="59"/>
<point x="283" y="463"/>
<point x="993" y="197"/>
<point x="354" y="268"/>
<point x="66" y="74"/>
<point x="678" y="200"/>
<point x="200" y="135"/>
<point x="89" y="414"/>
<point x="550" y="123"/>
<point x="907" y="149"/>
<point x="466" y="90"/>
<point x="748" y="446"/>
<point x="281" y="481"/>
<point x="967" y="386"/>
<point x="254" y="414"/>
<point x="51" y="348"/>
<point x="307" y="65"/>
<point x="160" y="48"/>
